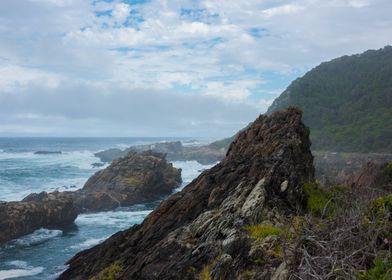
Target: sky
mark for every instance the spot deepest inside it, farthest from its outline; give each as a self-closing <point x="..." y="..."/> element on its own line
<point x="166" y="68"/>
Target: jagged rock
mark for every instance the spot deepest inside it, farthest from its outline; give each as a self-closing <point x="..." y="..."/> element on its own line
<point x="202" y="228"/>
<point x="36" y="211"/>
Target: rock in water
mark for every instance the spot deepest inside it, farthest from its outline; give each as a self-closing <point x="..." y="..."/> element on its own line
<point x="42" y="211"/>
<point x="202" y="229"/>
<point x="135" y="178"/>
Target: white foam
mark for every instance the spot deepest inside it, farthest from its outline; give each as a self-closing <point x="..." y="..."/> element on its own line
<point x="37" y="237"/>
<point x="119" y="219"/>
<point x="190" y="170"/>
<point x="21" y="269"/>
<point x="122" y="146"/>
<point x="88" y="243"/>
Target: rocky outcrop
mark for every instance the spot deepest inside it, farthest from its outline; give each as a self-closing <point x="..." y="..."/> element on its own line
<point x="135" y="178"/>
<point x="45" y="211"/>
<point x="372" y="175"/>
<point x="174" y="151"/>
<point x="203" y="231"/>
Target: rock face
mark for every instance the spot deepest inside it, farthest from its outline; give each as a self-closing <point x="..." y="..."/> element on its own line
<point x="20" y="218"/>
<point x="201" y="230"/>
<point x="372" y="175"/>
<point x="135" y="178"/>
<point x="174" y="151"/>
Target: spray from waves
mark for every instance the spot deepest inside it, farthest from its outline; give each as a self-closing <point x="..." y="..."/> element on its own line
<point x="37" y="237"/>
<point x="88" y="243"/>
<point x="190" y="170"/>
<point x="19" y="269"/>
<point x="118" y="219"/>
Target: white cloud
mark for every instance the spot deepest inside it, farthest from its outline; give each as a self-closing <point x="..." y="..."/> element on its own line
<point x="230" y="53"/>
<point x="282" y="10"/>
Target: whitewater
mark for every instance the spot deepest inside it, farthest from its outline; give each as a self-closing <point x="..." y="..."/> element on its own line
<point x="43" y="254"/>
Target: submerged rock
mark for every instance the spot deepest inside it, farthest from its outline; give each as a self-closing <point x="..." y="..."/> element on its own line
<point x="47" y="152"/>
<point x="201" y="231"/>
<point x="36" y="211"/>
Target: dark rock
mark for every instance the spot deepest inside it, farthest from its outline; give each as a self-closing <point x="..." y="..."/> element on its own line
<point x="198" y="228"/>
<point x="47" y="152"/>
<point x="110" y="155"/>
<point x="35" y="211"/>
<point x="97" y="164"/>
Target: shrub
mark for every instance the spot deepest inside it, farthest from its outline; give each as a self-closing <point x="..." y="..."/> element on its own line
<point x="382" y="269"/>
<point x="388" y="169"/>
<point x="110" y="272"/>
<point x="319" y="200"/>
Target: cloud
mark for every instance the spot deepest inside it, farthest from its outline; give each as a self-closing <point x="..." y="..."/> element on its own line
<point x="78" y="62"/>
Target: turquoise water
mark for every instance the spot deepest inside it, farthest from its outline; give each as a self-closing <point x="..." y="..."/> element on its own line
<point x="42" y="254"/>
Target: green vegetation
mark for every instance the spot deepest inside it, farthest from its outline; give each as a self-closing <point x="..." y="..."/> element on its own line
<point x="206" y="271"/>
<point x="247" y="275"/>
<point x="319" y="200"/>
<point x="388" y="169"/>
<point x="347" y="102"/>
<point x="262" y="231"/>
<point x="110" y="272"/>
<point x="382" y="269"/>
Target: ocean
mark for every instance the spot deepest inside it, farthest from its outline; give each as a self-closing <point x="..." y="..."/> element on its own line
<point x="43" y="254"/>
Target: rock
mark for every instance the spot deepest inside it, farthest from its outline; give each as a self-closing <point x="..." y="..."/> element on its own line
<point x="39" y="211"/>
<point x="47" y="152"/>
<point x="201" y="230"/>
<point x="174" y="151"/>
<point x="110" y="155"/>
<point x="97" y="164"/>
<point x="135" y="178"/>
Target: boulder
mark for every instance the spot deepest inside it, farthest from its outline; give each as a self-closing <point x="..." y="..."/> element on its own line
<point x="40" y="211"/>
<point x="201" y="231"/>
<point x="134" y="178"/>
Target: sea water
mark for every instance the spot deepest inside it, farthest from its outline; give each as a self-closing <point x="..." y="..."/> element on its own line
<point x="43" y="254"/>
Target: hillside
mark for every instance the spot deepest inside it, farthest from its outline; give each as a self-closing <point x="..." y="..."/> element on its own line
<point x="347" y="102"/>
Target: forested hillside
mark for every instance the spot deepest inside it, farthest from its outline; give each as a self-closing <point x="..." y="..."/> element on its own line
<point x="347" y="102"/>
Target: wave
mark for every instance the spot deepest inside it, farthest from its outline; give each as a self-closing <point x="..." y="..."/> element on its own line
<point x="37" y="237"/>
<point x="20" y="269"/>
<point x="190" y="170"/>
<point x="118" y="219"/>
<point x="88" y="243"/>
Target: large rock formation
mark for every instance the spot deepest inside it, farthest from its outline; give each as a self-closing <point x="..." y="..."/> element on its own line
<point x="174" y="150"/>
<point x="202" y="229"/>
<point x="47" y="211"/>
<point x="134" y="178"/>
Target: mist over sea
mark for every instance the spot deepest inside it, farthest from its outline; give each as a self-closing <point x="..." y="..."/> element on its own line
<point x="42" y="255"/>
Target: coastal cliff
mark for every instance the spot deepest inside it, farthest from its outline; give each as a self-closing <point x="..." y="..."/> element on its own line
<point x="212" y="227"/>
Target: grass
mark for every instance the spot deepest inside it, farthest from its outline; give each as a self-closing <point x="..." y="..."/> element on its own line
<point x="262" y="231"/>
<point x="205" y="273"/>
<point x="382" y="269"/>
<point x="319" y="200"/>
<point x="110" y="272"/>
